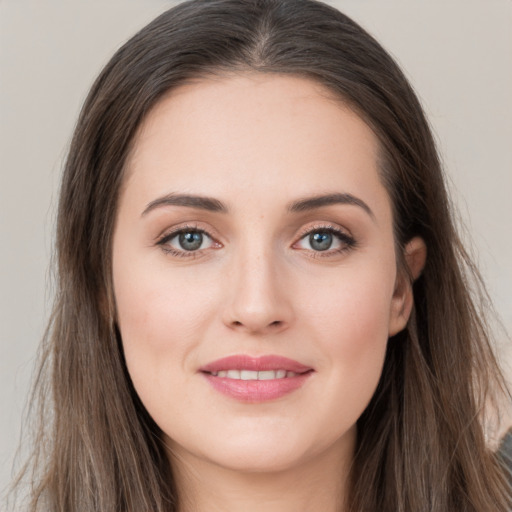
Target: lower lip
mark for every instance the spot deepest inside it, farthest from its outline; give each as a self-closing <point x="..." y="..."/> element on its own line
<point x="254" y="391"/>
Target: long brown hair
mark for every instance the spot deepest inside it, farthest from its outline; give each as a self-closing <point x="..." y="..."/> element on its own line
<point x="421" y="441"/>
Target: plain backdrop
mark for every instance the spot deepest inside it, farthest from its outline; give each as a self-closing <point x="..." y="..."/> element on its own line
<point x="457" y="53"/>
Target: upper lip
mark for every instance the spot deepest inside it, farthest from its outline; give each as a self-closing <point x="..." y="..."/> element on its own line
<point x="261" y="363"/>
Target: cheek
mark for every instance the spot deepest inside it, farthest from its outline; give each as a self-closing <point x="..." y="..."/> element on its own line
<point x="351" y="325"/>
<point x="159" y="331"/>
<point x="154" y="301"/>
<point x="353" y="309"/>
<point x="158" y="321"/>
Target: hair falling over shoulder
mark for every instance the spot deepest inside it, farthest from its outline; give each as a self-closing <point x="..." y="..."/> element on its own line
<point x="422" y="441"/>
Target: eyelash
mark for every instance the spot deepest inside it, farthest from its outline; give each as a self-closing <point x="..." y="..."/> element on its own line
<point x="165" y="239"/>
<point x="347" y="241"/>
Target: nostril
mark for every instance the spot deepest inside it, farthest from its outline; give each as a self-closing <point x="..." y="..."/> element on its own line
<point x="255" y="321"/>
<point x="275" y="323"/>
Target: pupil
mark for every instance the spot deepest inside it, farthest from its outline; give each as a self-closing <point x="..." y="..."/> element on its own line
<point x="320" y="241"/>
<point x="191" y="241"/>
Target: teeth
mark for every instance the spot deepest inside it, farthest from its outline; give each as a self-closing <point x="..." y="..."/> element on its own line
<point x="248" y="375"/>
<point x="254" y="375"/>
<point x="268" y="375"/>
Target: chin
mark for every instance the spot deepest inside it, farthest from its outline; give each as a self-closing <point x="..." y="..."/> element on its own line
<point x="260" y="460"/>
<point x="262" y="453"/>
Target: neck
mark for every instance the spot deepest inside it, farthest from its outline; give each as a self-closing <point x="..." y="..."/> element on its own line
<point x="317" y="483"/>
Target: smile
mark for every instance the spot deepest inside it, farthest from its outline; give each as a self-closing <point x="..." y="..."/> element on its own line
<point x="254" y="375"/>
<point x="256" y="379"/>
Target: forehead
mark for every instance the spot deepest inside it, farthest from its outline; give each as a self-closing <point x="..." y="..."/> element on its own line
<point x="256" y="132"/>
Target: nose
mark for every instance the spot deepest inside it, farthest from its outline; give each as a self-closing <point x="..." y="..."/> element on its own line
<point x="259" y="299"/>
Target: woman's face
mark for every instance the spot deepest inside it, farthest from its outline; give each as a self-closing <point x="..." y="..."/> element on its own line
<point x="253" y="226"/>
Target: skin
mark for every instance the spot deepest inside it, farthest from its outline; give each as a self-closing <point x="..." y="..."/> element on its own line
<point x="257" y="286"/>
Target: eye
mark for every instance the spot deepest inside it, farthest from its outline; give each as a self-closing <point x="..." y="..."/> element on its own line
<point x="188" y="240"/>
<point x="320" y="241"/>
<point x="326" y="239"/>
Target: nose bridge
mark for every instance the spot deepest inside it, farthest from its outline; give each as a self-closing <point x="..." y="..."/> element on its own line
<point x="258" y="301"/>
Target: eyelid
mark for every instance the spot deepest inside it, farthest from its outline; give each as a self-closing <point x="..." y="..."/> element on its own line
<point x="320" y="226"/>
<point x="346" y="239"/>
<point x="185" y="226"/>
<point x="166" y="236"/>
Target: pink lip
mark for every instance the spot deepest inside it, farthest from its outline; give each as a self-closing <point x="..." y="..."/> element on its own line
<point x="258" y="364"/>
<point x="253" y="391"/>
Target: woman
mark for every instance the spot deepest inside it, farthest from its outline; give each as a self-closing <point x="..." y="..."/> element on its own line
<point x="263" y="302"/>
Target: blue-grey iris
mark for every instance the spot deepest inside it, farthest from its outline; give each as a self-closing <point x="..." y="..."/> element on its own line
<point x="320" y="241"/>
<point x="191" y="241"/>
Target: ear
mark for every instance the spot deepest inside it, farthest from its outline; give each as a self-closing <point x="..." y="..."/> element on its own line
<point x="415" y="255"/>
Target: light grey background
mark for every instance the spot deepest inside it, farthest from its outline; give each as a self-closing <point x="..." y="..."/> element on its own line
<point x="457" y="53"/>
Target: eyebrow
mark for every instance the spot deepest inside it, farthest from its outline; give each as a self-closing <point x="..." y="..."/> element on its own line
<point x="214" y="205"/>
<point x="190" y="201"/>
<point x="311" y="203"/>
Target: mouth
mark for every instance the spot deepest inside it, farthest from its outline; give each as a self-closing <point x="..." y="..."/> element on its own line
<point x="256" y="379"/>
<point x="254" y="375"/>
